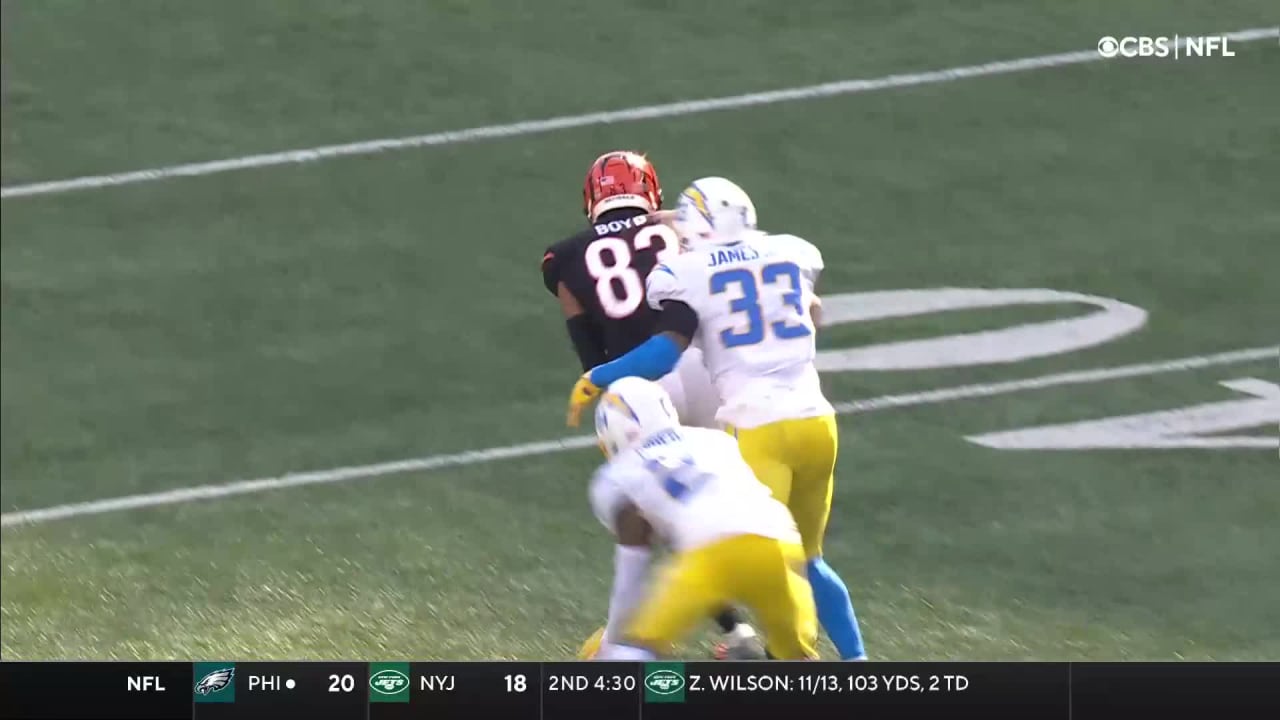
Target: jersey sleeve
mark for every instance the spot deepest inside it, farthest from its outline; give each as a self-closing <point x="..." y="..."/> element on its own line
<point x="607" y="496"/>
<point x="664" y="283"/>
<point x="551" y="269"/>
<point x="807" y="256"/>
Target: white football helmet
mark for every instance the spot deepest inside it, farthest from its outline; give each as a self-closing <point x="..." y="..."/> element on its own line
<point x="714" y="211"/>
<point x="629" y="411"/>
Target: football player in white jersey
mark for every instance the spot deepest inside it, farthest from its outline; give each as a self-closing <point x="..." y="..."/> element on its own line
<point x="731" y="541"/>
<point x="747" y="300"/>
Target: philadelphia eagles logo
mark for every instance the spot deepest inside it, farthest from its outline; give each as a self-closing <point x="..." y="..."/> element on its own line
<point x="215" y="681"/>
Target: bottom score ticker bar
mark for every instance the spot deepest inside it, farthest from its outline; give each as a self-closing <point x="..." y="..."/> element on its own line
<point x="658" y="691"/>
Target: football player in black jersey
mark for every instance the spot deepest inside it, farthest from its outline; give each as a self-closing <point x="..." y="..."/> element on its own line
<point x="598" y="276"/>
<point x="598" y="273"/>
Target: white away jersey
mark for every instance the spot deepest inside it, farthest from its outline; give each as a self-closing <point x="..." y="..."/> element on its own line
<point x="693" y="487"/>
<point x="754" y="329"/>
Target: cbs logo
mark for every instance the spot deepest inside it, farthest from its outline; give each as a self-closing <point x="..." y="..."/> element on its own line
<point x="1131" y="47"/>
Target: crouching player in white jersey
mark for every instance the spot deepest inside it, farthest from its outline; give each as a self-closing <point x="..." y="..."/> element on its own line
<point x="747" y="299"/>
<point x="731" y="541"/>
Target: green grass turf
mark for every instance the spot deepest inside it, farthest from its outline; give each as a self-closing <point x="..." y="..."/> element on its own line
<point x="374" y="308"/>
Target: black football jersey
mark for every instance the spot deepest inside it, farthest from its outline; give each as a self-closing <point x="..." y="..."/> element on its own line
<point x="605" y="267"/>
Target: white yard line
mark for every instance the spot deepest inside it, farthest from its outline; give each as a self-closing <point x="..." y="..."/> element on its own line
<point x="475" y="457"/>
<point x="533" y="127"/>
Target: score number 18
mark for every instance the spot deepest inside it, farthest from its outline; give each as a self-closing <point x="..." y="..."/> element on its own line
<point x="516" y="683"/>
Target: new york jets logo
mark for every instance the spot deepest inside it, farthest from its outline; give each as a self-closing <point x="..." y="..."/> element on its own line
<point x="216" y="681"/>
<point x="388" y="682"/>
<point x="664" y="682"/>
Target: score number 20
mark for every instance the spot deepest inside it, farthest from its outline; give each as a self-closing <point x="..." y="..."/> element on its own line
<point x="342" y="683"/>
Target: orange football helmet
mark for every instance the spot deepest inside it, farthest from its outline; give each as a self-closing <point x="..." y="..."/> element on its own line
<point x="621" y="179"/>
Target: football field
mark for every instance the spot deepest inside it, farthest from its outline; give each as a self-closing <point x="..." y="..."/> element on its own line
<point x="261" y="404"/>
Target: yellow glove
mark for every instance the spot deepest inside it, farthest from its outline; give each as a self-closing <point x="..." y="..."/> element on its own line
<point x="584" y="391"/>
<point x="591" y="646"/>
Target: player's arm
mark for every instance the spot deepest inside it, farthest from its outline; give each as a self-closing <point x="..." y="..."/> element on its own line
<point x="631" y="556"/>
<point x="586" y="335"/>
<point x="813" y="266"/>
<point x="676" y="326"/>
<point x="655" y="357"/>
<point x="631" y="559"/>
<point x="658" y="355"/>
<point x="815" y="305"/>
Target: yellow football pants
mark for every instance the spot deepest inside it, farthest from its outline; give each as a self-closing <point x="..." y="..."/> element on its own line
<point x="796" y="459"/>
<point x="766" y="575"/>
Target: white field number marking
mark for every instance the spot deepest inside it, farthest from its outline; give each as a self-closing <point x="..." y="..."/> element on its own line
<point x="1014" y="344"/>
<point x="1197" y="426"/>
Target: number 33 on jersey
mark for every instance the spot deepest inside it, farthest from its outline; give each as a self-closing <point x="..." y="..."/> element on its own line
<point x="748" y="293"/>
<point x="755" y="330"/>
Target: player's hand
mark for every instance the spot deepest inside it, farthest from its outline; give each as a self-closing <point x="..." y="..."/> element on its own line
<point x="591" y="646"/>
<point x="584" y="391"/>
